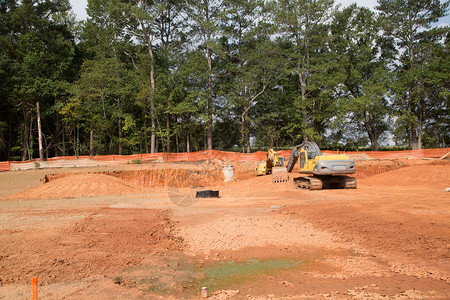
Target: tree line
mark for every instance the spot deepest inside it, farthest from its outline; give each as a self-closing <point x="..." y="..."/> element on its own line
<point x="141" y="76"/>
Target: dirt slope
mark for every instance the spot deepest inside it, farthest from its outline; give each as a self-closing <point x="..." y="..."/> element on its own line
<point x="421" y="175"/>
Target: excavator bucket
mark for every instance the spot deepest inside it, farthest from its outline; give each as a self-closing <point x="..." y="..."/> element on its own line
<point x="279" y="174"/>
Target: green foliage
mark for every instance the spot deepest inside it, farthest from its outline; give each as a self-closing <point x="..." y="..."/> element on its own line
<point x="365" y="58"/>
<point x="304" y="30"/>
<point x="237" y="75"/>
<point x="409" y="24"/>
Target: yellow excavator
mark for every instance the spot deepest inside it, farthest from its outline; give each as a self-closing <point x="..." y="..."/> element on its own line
<point x="273" y="165"/>
<point x="324" y="171"/>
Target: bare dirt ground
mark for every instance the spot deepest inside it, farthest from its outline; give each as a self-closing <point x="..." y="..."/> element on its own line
<point x="138" y="232"/>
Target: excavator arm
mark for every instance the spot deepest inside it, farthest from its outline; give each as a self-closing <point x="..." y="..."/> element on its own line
<point x="293" y="158"/>
<point x="311" y="148"/>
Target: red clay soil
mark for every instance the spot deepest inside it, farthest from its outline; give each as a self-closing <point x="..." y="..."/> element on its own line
<point x="123" y="182"/>
<point x="77" y="185"/>
<point x="387" y="241"/>
<point x="153" y="177"/>
<point x="369" y="168"/>
<point x="423" y="175"/>
<point x="413" y="235"/>
<point x="105" y="240"/>
<point x="404" y="210"/>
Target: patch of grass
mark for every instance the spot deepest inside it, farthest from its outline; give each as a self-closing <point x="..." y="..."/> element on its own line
<point x="136" y="161"/>
<point x="167" y="276"/>
<point x="231" y="274"/>
<point x="181" y="276"/>
<point x="355" y="253"/>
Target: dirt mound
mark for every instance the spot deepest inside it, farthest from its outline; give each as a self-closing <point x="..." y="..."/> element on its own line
<point x="420" y="175"/>
<point x="77" y="185"/>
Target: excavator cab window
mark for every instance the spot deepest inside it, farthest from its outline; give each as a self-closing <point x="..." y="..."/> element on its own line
<point x="311" y="155"/>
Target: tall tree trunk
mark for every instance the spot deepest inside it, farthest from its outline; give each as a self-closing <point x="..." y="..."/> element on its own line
<point x="243" y="132"/>
<point x="374" y="146"/>
<point x="120" y="135"/>
<point x="10" y="136"/>
<point x="188" y="148"/>
<point x="413" y="131"/>
<point x="209" y="123"/>
<point x="26" y="137"/>
<point x="302" y="77"/>
<point x="60" y="142"/>
<point x="78" y="147"/>
<point x="371" y="131"/>
<point x="414" y="142"/>
<point x="153" y="146"/>
<point x="145" y="126"/>
<point x="152" y="80"/>
<point x="168" y="132"/>
<point x="176" y="140"/>
<point x="421" y="112"/>
<point x="75" y="144"/>
<point x="119" y="124"/>
<point x="63" y="149"/>
<point x="248" y="137"/>
<point x="41" y="148"/>
<point x="91" y="144"/>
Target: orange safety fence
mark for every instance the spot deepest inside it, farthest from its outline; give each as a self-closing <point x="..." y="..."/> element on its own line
<point x="209" y="154"/>
<point x="423" y="153"/>
<point x="4" y="166"/>
<point x="105" y="160"/>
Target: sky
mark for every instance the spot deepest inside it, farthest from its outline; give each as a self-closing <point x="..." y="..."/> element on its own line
<point x="79" y="8"/>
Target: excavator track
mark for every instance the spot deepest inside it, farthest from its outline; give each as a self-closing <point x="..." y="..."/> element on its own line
<point x="349" y="182"/>
<point x="325" y="182"/>
<point x="309" y="182"/>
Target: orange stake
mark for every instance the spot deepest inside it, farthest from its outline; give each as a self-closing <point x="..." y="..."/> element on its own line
<point x="34" y="283"/>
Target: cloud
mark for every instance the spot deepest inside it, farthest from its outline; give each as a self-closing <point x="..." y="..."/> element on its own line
<point x="367" y="3"/>
<point x="79" y="8"/>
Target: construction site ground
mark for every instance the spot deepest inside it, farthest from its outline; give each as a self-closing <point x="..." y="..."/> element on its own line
<point x="138" y="232"/>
